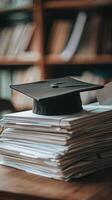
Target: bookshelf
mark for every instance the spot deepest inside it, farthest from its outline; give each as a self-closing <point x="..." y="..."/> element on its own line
<point x="41" y="11"/>
<point x="75" y="4"/>
<point x="20" y="44"/>
<point x="22" y="59"/>
<point x="55" y="9"/>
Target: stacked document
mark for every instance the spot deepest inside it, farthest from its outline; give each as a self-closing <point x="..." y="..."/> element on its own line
<point x="59" y="147"/>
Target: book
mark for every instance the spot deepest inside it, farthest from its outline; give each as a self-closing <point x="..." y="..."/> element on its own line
<point x="5" y="37"/>
<point x="16" y="39"/>
<point x="75" y="37"/>
<point x="59" y="35"/>
<point x="35" y="44"/>
<point x="106" y="40"/>
<point x="89" y="41"/>
<point x="25" y="38"/>
<point x="16" y="36"/>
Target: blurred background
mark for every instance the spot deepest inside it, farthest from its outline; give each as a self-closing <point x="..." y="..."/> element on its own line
<point x="53" y="38"/>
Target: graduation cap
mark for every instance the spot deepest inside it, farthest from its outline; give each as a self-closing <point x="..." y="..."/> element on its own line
<point x="56" y="96"/>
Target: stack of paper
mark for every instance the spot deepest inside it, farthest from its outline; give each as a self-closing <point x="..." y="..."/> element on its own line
<point x="59" y="147"/>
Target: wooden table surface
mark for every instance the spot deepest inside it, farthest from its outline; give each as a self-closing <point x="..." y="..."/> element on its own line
<point x="19" y="185"/>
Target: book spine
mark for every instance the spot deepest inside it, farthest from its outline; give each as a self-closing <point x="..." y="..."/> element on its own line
<point x="75" y="37"/>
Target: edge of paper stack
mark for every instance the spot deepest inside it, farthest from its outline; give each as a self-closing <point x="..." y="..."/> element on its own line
<point x="59" y="147"/>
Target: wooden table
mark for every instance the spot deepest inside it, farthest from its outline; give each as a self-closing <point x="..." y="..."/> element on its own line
<point x="19" y="185"/>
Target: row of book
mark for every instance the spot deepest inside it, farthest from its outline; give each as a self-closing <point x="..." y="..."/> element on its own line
<point x="87" y="35"/>
<point x="59" y="147"/>
<point x="15" y="40"/>
<point x="12" y="4"/>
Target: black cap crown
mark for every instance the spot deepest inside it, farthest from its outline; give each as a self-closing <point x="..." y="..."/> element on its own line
<point x="56" y="96"/>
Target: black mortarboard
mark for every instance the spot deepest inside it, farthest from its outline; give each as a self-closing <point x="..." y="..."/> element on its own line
<point x="56" y="96"/>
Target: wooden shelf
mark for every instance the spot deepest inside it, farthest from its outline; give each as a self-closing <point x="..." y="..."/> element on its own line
<point x="17" y="61"/>
<point x="25" y="8"/>
<point x="67" y="4"/>
<point x="98" y="59"/>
